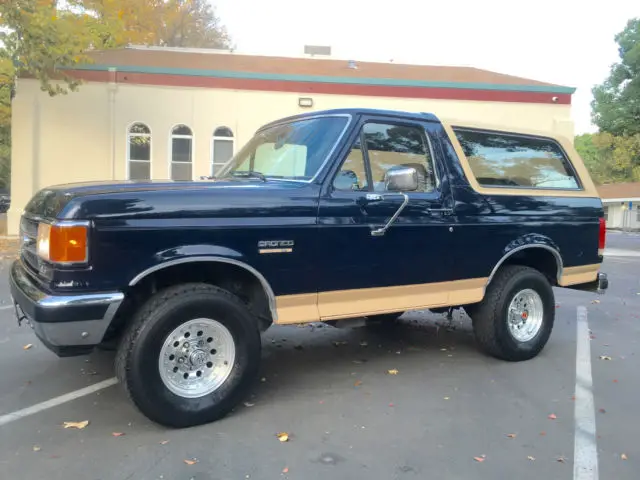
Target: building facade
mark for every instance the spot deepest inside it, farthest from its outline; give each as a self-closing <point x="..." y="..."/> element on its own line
<point x="153" y="113"/>
<point x="621" y="203"/>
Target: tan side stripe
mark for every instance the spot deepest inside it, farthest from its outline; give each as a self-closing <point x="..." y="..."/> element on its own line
<point x="368" y="301"/>
<point x="580" y="274"/>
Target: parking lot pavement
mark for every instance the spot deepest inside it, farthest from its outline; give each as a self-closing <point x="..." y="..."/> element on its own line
<point x="447" y="404"/>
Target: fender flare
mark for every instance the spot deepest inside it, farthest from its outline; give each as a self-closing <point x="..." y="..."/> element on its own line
<point x="214" y="259"/>
<point x="511" y="252"/>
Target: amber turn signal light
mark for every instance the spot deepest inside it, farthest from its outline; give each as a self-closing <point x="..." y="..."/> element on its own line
<point x="60" y="243"/>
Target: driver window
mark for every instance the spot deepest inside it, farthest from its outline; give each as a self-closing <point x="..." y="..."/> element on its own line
<point x="397" y="145"/>
<point x="352" y="175"/>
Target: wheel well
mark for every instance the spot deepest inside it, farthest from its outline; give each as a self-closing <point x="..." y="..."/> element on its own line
<point x="541" y="259"/>
<point x="233" y="278"/>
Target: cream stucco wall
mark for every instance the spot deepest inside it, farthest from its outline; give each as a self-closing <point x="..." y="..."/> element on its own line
<point x="619" y="215"/>
<point x="83" y="136"/>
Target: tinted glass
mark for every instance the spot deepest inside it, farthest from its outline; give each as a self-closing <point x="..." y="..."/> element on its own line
<point x="139" y="170"/>
<point x="181" y="171"/>
<point x="511" y="160"/>
<point x="352" y="175"/>
<point x="181" y="149"/>
<point x="294" y="150"/>
<point x="222" y="151"/>
<point x="140" y="148"/>
<point x="393" y="146"/>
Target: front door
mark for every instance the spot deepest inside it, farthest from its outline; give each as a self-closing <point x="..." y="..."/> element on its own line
<point x="363" y="268"/>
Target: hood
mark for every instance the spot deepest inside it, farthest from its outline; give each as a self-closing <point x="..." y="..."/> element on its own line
<point x="118" y="199"/>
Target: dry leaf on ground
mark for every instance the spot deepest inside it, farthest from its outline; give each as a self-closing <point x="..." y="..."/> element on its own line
<point x="542" y="434"/>
<point x="511" y="435"/>
<point x="190" y="462"/>
<point x="248" y="404"/>
<point x="283" y="436"/>
<point x="117" y="434"/>
<point x="624" y="456"/>
<point x="531" y="458"/>
<point x="164" y="442"/>
<point x="552" y="416"/>
<point x="285" y="470"/>
<point x="602" y="410"/>
<point x="364" y="343"/>
<point x="479" y="459"/>
<point x="79" y="425"/>
<point x="357" y="383"/>
<point x="27" y="346"/>
<point x="393" y="371"/>
<point x="36" y="448"/>
<point x="605" y="357"/>
<point x="595" y="301"/>
<point x="561" y="459"/>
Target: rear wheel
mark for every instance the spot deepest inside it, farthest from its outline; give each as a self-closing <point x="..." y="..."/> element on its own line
<point x="190" y="355"/>
<point x="514" y="320"/>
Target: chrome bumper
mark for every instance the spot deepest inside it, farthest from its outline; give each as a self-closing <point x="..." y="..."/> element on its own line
<point x="66" y="324"/>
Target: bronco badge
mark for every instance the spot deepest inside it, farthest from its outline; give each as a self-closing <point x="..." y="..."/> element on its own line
<point x="275" y="246"/>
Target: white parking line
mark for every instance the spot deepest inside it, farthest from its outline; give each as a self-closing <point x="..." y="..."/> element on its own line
<point x="6" y="307"/>
<point x="585" y="449"/>
<point x="54" y="402"/>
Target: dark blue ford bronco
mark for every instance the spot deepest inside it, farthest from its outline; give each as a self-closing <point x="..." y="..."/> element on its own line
<point x="319" y="217"/>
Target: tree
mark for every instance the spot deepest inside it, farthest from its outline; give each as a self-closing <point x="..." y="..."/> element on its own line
<point x="609" y="158"/>
<point x="616" y="103"/>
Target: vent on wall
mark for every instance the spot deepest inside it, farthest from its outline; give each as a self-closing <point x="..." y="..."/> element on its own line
<point x="314" y="50"/>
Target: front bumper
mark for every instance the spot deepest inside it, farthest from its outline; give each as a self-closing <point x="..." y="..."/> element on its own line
<point x="67" y="324"/>
<point x="599" y="285"/>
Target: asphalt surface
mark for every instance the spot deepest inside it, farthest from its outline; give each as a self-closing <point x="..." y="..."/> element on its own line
<point x="347" y="417"/>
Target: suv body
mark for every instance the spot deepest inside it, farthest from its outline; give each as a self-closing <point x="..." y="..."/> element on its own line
<point x="320" y="217"/>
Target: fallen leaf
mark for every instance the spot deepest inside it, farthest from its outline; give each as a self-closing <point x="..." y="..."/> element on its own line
<point x="364" y="343"/>
<point x="391" y="405"/>
<point x="27" y="346"/>
<point x="164" y="442"/>
<point x="285" y="470"/>
<point x="605" y="357"/>
<point x="479" y="459"/>
<point x="595" y="301"/>
<point x="393" y="371"/>
<point x="443" y="349"/>
<point x="511" y="435"/>
<point x="542" y="434"/>
<point x="557" y="305"/>
<point x="531" y="458"/>
<point x="78" y="425"/>
<point x="37" y="448"/>
<point x="191" y="462"/>
<point x="623" y="456"/>
<point x="602" y="410"/>
<point x="283" y="436"/>
<point x="357" y="383"/>
<point x="263" y="379"/>
<point x="573" y="397"/>
<point x="117" y="434"/>
<point x="552" y="416"/>
<point x="615" y="380"/>
<point x="592" y="337"/>
<point x="247" y="404"/>
<point x="561" y="459"/>
<point x="337" y="344"/>
<point x="446" y="398"/>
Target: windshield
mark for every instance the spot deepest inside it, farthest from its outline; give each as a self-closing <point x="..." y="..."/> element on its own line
<point x="293" y="151"/>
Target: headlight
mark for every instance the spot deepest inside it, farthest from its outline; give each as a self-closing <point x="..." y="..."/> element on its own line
<point x="63" y="243"/>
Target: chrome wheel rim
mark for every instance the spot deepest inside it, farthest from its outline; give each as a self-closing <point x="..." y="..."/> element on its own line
<point x="197" y="357"/>
<point x="525" y="315"/>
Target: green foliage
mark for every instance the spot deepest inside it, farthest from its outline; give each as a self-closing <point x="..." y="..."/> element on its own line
<point x="6" y="87"/>
<point x="610" y="159"/>
<point x="616" y="103"/>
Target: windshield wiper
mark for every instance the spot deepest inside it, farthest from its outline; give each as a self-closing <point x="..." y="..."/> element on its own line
<point x="249" y="174"/>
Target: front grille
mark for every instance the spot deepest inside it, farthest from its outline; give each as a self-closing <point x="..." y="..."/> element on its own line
<point x="28" y="241"/>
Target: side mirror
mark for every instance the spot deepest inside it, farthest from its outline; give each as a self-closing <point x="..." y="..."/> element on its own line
<point x="401" y="179"/>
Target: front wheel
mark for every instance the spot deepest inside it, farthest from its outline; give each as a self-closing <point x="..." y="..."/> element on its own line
<point x="190" y="355"/>
<point x="514" y="320"/>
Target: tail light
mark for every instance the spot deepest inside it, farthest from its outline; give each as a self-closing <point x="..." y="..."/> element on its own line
<point x="602" y="236"/>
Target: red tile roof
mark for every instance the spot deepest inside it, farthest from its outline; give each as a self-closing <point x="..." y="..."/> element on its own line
<point x="619" y="190"/>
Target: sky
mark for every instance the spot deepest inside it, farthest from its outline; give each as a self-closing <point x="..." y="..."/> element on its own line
<point x="566" y="42"/>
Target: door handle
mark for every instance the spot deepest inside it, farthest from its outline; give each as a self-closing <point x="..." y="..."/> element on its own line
<point x="378" y="232"/>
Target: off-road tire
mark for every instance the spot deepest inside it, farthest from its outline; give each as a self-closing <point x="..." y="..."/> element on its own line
<point x="139" y="349"/>
<point x="490" y="316"/>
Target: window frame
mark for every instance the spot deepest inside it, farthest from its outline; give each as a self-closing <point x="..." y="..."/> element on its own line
<point x="128" y="159"/>
<point x="579" y="172"/>
<point x="215" y="137"/>
<point x="192" y="137"/>
<point x="367" y="162"/>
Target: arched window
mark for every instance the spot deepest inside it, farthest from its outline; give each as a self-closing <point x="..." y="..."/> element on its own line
<point x="181" y="153"/>
<point x="222" y="149"/>
<point x="139" y="152"/>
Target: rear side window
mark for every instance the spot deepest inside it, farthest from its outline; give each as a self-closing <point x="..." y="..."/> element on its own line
<point x="501" y="160"/>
